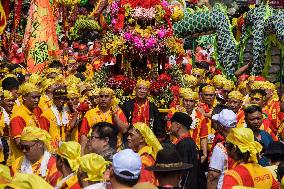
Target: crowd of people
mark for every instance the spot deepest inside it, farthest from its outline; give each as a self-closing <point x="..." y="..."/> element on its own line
<point x="59" y="130"/>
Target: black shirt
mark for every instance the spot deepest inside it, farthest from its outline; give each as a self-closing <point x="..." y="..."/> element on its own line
<point x="188" y="152"/>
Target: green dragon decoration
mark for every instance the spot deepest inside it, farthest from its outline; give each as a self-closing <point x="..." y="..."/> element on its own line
<point x="260" y="24"/>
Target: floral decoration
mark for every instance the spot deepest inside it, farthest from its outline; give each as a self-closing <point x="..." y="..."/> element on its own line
<point x="145" y="27"/>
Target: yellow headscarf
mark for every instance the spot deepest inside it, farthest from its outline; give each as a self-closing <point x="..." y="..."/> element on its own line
<point x="95" y="166"/>
<point x="191" y="80"/>
<point x="73" y="92"/>
<point x="47" y="83"/>
<point x="28" y="88"/>
<point x="143" y="82"/>
<point x="187" y="93"/>
<point x="5" y="176"/>
<point x="53" y="70"/>
<point x="244" y="139"/>
<point x="72" y="80"/>
<point x="208" y="88"/>
<point x="94" y="92"/>
<point x="149" y="137"/>
<point x="110" y="92"/>
<point x="270" y="86"/>
<point x="8" y="95"/>
<point x="229" y="85"/>
<point x="219" y="80"/>
<point x="71" y="151"/>
<point x="199" y="71"/>
<point x="35" y="79"/>
<point x="242" y="85"/>
<point x="107" y="90"/>
<point x="236" y="94"/>
<point x="28" y="181"/>
<point x="257" y="85"/>
<point x="35" y="133"/>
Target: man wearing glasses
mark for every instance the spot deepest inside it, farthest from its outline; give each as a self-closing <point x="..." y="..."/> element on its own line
<point x="103" y="140"/>
<point x="37" y="160"/>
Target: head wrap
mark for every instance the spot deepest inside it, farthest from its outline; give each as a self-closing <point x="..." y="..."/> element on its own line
<point x="149" y="137"/>
<point x="208" y="89"/>
<point x="35" y="79"/>
<point x="5" y="176"/>
<point x="73" y="92"/>
<point x="95" y="166"/>
<point x="48" y="82"/>
<point x="244" y="139"/>
<point x="242" y="85"/>
<point x="257" y="85"/>
<point x="28" y="181"/>
<point x="199" y="71"/>
<point x="71" y="151"/>
<point x="4" y="70"/>
<point x="53" y="70"/>
<point x="107" y="90"/>
<point x="229" y="85"/>
<point x="236" y="95"/>
<point x="72" y="80"/>
<point x="219" y="80"/>
<point x="257" y="95"/>
<point x="94" y="92"/>
<point x="188" y="94"/>
<point x="28" y="88"/>
<point x="143" y="82"/>
<point x="34" y="134"/>
<point x="191" y="80"/>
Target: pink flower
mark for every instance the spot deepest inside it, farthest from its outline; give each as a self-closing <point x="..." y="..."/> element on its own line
<point x="151" y="42"/>
<point x="162" y="33"/>
<point x="165" y="3"/>
<point x="113" y="22"/>
<point x="114" y="7"/>
<point x="128" y="36"/>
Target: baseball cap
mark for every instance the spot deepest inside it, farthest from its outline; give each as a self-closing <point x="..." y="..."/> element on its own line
<point x="127" y="160"/>
<point x="227" y="118"/>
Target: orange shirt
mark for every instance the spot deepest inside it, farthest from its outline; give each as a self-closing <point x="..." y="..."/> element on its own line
<point x="249" y="175"/>
<point x="95" y="115"/>
<point x="147" y="160"/>
<point x="273" y="109"/>
<point x="52" y="174"/>
<point x="21" y="118"/>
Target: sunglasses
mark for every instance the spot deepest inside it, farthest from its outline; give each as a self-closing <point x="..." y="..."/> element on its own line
<point x="26" y="147"/>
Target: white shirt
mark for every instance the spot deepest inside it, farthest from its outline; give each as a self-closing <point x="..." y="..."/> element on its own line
<point x="100" y="185"/>
<point x="219" y="161"/>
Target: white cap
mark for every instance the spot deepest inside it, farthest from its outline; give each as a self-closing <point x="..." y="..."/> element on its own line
<point x="127" y="160"/>
<point x="227" y="118"/>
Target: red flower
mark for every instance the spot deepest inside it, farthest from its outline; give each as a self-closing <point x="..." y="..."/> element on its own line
<point x="83" y="107"/>
<point x="120" y="22"/>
